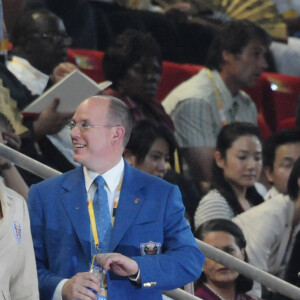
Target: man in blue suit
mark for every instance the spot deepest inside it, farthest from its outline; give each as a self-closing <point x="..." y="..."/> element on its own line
<point x="151" y="246"/>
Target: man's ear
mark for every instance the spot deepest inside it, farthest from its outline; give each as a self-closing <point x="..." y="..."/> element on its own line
<point x="269" y="174"/>
<point x="227" y="56"/>
<point x="118" y="133"/>
<point x="219" y="159"/>
<point x="129" y="157"/>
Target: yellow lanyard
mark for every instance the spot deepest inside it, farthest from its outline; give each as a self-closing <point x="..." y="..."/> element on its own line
<point x="92" y="215"/>
<point x="218" y="97"/>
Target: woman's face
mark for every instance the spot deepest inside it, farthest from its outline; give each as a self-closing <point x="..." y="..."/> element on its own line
<point x="142" y="79"/>
<point x="157" y="159"/>
<point x="243" y="162"/>
<point x="216" y="273"/>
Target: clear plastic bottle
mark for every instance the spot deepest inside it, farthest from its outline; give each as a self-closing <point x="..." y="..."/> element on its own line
<point x="100" y="273"/>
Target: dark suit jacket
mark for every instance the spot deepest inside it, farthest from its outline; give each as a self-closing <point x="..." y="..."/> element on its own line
<point x="149" y="210"/>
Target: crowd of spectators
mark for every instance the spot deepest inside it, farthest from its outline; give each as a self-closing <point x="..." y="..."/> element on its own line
<point x="240" y="193"/>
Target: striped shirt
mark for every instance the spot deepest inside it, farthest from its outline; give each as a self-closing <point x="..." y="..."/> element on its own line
<point x="212" y="206"/>
<point x="194" y="110"/>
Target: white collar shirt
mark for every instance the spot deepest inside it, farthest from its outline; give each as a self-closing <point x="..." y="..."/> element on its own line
<point x="112" y="179"/>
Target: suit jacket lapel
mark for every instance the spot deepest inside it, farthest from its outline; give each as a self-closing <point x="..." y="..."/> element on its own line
<point x="130" y="203"/>
<point x="75" y="204"/>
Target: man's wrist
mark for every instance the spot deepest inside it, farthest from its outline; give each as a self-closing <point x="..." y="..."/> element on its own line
<point x="6" y="165"/>
<point x="136" y="277"/>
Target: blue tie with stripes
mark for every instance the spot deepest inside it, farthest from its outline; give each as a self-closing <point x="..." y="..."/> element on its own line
<point x="102" y="215"/>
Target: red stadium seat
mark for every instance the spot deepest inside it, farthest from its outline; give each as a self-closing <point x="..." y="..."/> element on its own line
<point x="280" y="100"/>
<point x="172" y="75"/>
<point x="88" y="61"/>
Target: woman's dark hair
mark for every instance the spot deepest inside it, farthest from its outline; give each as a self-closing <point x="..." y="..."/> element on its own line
<point x="233" y="37"/>
<point x="227" y="136"/>
<point x="292" y="185"/>
<point x="144" y="134"/>
<point x="127" y="49"/>
<point x="243" y="284"/>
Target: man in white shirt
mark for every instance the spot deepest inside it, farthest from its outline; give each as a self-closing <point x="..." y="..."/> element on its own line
<point x="200" y="106"/>
<point x="271" y="227"/>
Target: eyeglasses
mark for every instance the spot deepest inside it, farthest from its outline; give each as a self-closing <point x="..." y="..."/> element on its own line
<point x="83" y="126"/>
<point x="54" y="37"/>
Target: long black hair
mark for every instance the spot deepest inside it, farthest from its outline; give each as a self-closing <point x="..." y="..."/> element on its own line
<point x="226" y="138"/>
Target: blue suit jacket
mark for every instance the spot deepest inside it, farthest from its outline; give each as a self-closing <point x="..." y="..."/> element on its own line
<point x="149" y="210"/>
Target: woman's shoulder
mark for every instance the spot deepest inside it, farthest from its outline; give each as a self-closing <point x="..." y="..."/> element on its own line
<point x="212" y="206"/>
<point x="213" y="194"/>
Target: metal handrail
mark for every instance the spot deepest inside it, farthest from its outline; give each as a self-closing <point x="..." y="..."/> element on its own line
<point x="268" y="280"/>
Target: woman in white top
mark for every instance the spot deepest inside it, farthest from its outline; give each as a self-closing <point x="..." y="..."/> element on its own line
<point x="236" y="167"/>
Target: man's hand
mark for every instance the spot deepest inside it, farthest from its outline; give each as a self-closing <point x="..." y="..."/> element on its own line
<point x="11" y="139"/>
<point x="62" y="70"/>
<point x="77" y="287"/>
<point x="118" y="264"/>
<point x="50" y="121"/>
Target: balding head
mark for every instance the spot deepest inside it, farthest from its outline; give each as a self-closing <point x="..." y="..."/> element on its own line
<point x="100" y="131"/>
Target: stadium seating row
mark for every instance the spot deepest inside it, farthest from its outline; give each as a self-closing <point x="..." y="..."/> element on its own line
<point x="275" y="94"/>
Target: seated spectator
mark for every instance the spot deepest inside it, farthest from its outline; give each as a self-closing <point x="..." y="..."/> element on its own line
<point x="200" y="106"/>
<point x="40" y="44"/>
<point x="280" y="151"/>
<point x="133" y="63"/>
<point x="270" y="228"/>
<point x="36" y="35"/>
<point x="217" y="281"/>
<point x="236" y="167"/>
<point x="78" y="17"/>
<point x="151" y="149"/>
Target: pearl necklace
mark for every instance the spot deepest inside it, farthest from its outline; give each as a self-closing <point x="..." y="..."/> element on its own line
<point x="214" y="292"/>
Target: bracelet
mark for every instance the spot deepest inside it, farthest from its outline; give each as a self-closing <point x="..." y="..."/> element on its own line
<point x="7" y="165"/>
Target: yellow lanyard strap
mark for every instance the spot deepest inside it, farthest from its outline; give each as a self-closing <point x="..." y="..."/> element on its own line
<point x="218" y="98"/>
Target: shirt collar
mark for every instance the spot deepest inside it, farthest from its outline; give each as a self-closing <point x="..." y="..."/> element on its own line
<point x="227" y="99"/>
<point x="39" y="74"/>
<point x="112" y="177"/>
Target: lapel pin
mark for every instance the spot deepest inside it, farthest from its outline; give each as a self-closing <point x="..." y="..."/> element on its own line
<point x="77" y="207"/>
<point x="136" y="200"/>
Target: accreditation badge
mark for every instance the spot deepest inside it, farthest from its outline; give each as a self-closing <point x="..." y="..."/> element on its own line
<point x="150" y="248"/>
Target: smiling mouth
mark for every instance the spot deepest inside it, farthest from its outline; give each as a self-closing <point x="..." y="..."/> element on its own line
<point x="76" y="146"/>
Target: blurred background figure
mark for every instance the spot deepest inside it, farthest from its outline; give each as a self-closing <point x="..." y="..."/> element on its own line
<point x="203" y="104"/>
<point x="40" y="44"/>
<point x="271" y="230"/>
<point x="39" y="55"/>
<point x="133" y="63"/>
<point x="218" y="282"/>
<point x="280" y="152"/>
<point x="236" y="168"/>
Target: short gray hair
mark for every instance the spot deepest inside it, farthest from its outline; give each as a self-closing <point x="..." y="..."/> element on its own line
<point x="119" y="114"/>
